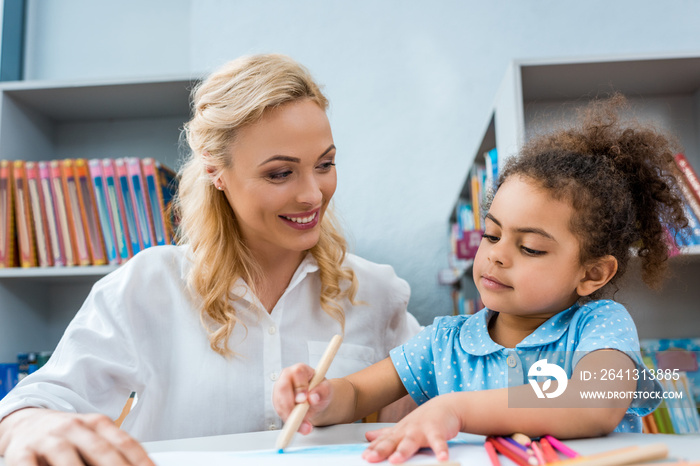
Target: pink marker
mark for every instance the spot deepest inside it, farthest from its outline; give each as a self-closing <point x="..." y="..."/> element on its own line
<point x="563" y="449"/>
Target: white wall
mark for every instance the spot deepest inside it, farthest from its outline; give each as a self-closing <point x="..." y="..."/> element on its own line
<point x="411" y="83"/>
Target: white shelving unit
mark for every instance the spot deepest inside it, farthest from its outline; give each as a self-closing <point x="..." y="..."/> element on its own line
<point x="49" y="120"/>
<point x="535" y="95"/>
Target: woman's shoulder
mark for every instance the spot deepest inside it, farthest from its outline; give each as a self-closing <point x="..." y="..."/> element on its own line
<point x="154" y="262"/>
<point x="366" y="268"/>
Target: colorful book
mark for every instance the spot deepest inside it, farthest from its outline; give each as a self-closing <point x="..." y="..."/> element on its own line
<point x="88" y="212"/>
<point x="39" y="223"/>
<point x="115" y="204"/>
<point x="129" y="208"/>
<point x="476" y="201"/>
<point x="105" y="220"/>
<point x="139" y="198"/>
<point x="689" y="176"/>
<point x="63" y="217"/>
<point x="168" y="182"/>
<point x="7" y="216"/>
<point x="75" y="219"/>
<point x="25" y="233"/>
<point x="155" y="201"/>
<point x="54" y="232"/>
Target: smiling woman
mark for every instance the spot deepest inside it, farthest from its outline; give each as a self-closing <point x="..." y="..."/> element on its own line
<point x="260" y="280"/>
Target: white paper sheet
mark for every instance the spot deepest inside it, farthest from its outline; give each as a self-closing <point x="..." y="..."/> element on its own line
<point x="464" y="452"/>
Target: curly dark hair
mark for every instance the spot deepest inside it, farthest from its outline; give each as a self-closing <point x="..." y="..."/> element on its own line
<point x="621" y="180"/>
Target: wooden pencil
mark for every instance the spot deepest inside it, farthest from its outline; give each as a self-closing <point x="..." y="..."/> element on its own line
<point x="297" y="415"/>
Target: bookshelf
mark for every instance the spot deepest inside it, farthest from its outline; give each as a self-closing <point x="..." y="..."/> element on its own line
<point x="56" y="120"/>
<point x="534" y="95"/>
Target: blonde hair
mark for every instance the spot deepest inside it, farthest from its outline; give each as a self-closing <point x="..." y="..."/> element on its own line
<point x="236" y="95"/>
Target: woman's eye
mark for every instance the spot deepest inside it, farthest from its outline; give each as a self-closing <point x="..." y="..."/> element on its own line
<point x="532" y="252"/>
<point x="279" y="176"/>
<point x="326" y="166"/>
<point x="490" y="238"/>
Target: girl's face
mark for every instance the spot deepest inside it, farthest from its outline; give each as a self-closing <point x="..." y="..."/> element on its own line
<point x="282" y="178"/>
<point x="528" y="260"/>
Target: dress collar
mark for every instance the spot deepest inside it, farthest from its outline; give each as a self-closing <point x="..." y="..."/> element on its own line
<point x="475" y="338"/>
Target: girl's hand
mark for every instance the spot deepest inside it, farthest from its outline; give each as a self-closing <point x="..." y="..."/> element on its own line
<point x="430" y="425"/>
<point x="34" y="436"/>
<point x="292" y="388"/>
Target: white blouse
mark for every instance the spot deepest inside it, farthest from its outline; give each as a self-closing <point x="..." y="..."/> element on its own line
<point x="139" y="330"/>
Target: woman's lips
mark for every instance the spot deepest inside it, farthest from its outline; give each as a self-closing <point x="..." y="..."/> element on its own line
<point x="302" y="221"/>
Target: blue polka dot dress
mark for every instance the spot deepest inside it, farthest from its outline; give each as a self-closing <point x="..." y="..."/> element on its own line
<point x="456" y="353"/>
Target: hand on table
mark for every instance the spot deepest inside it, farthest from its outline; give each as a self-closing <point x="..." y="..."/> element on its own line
<point x="35" y="436"/>
<point x="430" y="425"/>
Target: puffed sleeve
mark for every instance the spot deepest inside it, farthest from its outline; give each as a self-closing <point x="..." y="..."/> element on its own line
<point x="608" y="325"/>
<point x="94" y="366"/>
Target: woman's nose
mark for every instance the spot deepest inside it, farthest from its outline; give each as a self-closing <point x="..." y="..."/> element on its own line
<point x="309" y="191"/>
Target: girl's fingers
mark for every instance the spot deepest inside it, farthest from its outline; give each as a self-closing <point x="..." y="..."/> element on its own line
<point x="374" y="434"/>
<point x="438" y="444"/>
<point x="379" y="449"/>
<point x="407" y="447"/>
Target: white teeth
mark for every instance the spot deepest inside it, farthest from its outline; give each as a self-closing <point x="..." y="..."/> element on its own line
<point x="302" y="220"/>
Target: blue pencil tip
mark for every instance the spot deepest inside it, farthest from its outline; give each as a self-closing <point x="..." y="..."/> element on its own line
<point x="280" y="451"/>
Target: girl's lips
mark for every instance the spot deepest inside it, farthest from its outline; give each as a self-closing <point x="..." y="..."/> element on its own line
<point x="492" y="284"/>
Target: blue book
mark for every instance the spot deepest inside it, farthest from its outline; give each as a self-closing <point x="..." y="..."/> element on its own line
<point x="95" y="167"/>
<point x="129" y="210"/>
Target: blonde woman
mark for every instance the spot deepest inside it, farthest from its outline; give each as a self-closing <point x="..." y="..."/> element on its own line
<point x="261" y="280"/>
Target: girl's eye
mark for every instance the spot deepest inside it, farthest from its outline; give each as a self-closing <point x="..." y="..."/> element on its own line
<point x="532" y="252"/>
<point x="490" y="238"/>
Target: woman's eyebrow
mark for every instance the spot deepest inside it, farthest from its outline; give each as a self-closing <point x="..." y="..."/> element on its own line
<point x="287" y="158"/>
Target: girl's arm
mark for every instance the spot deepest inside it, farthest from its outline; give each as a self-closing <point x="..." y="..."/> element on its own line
<point x="338" y="400"/>
<point x="508" y="410"/>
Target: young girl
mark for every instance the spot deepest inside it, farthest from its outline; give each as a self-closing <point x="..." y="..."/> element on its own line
<point x="566" y="218"/>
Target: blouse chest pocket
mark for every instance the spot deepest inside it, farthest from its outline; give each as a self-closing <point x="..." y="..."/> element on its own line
<point x="349" y="358"/>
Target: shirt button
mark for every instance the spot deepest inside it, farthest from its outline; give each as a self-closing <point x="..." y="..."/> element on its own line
<point x="271" y="330"/>
<point x="511" y="361"/>
<point x="272" y="427"/>
<point x="273" y="376"/>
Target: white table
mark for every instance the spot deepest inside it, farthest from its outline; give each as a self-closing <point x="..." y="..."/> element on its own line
<point x="680" y="446"/>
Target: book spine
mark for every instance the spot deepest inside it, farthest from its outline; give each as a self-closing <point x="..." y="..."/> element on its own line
<point x="116" y="211"/>
<point x="168" y="182"/>
<point x="58" y="256"/>
<point x="70" y="188"/>
<point x="63" y="216"/>
<point x="689" y="175"/>
<point x="129" y="210"/>
<point x="7" y="216"/>
<point x="25" y="235"/>
<point x="36" y="203"/>
<point x="155" y="200"/>
<point x="689" y="198"/>
<point x="138" y="195"/>
<point x="95" y="169"/>
<point x="88" y="213"/>
<point x="476" y="206"/>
